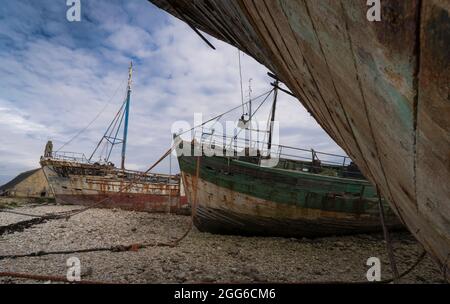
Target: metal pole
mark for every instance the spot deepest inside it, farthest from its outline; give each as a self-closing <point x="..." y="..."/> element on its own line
<point x="170" y="182"/>
<point x="272" y="118"/>
<point x="127" y="111"/>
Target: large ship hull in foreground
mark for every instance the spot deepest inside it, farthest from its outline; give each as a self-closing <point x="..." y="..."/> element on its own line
<point x="379" y="89"/>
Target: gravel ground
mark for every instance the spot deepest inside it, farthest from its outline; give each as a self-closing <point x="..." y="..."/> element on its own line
<point x="200" y="257"/>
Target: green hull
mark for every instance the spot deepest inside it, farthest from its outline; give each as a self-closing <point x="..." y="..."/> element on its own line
<point x="231" y="196"/>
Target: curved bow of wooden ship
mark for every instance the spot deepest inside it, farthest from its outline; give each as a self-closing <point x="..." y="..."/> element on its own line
<point x="379" y="89"/>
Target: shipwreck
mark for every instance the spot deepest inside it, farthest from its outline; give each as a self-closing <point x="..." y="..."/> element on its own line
<point x="379" y="89"/>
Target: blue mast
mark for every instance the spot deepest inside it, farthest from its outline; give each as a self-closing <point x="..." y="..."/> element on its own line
<point x="127" y="111"/>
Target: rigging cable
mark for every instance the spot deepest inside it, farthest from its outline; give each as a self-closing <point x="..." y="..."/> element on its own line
<point x="68" y="214"/>
<point x="112" y="124"/>
<point x="253" y="114"/>
<point x="225" y="113"/>
<point x="92" y="121"/>
<point x="387" y="239"/>
<point x="115" y="136"/>
<point x="135" y="247"/>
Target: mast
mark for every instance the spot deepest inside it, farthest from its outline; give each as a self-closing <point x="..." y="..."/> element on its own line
<point x="250" y="99"/>
<point x="127" y="111"/>
<point x="272" y="118"/>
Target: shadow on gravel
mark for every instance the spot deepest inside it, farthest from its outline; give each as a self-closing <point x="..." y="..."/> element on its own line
<point x="21" y="226"/>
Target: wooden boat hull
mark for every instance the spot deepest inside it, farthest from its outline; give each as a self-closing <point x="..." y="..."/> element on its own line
<point x="234" y="197"/>
<point x="77" y="184"/>
<point x="133" y="202"/>
<point x="379" y="89"/>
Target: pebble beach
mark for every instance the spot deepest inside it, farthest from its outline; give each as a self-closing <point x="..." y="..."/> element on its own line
<point x="199" y="257"/>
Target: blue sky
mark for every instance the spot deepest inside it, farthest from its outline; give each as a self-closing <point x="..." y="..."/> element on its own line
<point x="56" y="76"/>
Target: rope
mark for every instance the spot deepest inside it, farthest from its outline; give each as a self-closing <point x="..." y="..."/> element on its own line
<point x="45" y="216"/>
<point x="225" y="113"/>
<point x="253" y="114"/>
<point x="62" y="279"/>
<point x="68" y="214"/>
<point x="387" y="239"/>
<point x="127" y="187"/>
<point x="183" y="18"/>
<point x="114" y="121"/>
<point x="197" y="176"/>
<point x="20" y="213"/>
<point x="136" y="247"/>
<point x="115" y="248"/>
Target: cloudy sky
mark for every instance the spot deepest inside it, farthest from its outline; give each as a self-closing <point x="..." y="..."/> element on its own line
<point x="57" y="76"/>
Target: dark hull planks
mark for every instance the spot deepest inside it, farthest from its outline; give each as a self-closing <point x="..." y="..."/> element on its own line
<point x="234" y="197"/>
<point x="379" y="89"/>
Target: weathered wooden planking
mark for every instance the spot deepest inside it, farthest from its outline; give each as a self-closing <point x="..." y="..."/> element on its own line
<point x="289" y="187"/>
<point x="433" y="127"/>
<point x="236" y="197"/>
<point x="380" y="90"/>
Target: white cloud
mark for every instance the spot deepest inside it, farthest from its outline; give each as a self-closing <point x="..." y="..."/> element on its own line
<point x="132" y="40"/>
<point x="51" y="90"/>
<point x="17" y="123"/>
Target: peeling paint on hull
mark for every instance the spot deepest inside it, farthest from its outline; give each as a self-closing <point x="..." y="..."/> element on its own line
<point x="244" y="200"/>
<point x="379" y="89"/>
<point x="85" y="184"/>
<point x="220" y="221"/>
<point x="132" y="202"/>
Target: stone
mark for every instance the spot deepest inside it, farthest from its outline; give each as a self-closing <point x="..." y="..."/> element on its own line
<point x="86" y="271"/>
<point x="181" y="277"/>
<point x="208" y="279"/>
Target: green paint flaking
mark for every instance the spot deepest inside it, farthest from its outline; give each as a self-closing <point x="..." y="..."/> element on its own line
<point x="287" y="187"/>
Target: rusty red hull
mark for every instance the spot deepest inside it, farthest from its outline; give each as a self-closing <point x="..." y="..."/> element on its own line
<point x="134" y="202"/>
<point x="107" y="187"/>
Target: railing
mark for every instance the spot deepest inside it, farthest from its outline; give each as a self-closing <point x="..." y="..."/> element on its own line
<point x="307" y="160"/>
<point x="70" y="156"/>
<point x="148" y="177"/>
<point x="109" y="168"/>
<point x="239" y="144"/>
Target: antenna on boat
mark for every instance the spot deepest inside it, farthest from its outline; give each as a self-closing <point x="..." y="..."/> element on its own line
<point x="250" y="98"/>
<point x="127" y="111"/>
<point x="246" y="117"/>
<point x="240" y="79"/>
<point x="272" y="116"/>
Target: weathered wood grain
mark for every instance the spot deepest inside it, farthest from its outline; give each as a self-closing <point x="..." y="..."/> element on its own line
<point x="238" y="197"/>
<point x="380" y="89"/>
